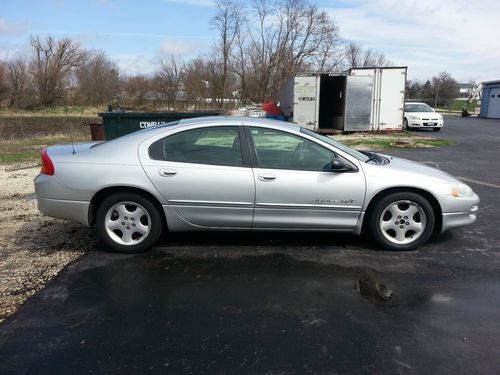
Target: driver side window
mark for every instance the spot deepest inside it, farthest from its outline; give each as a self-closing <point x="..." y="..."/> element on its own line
<point x="279" y="150"/>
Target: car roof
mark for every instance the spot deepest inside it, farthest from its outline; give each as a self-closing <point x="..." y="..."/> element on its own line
<point x="244" y="120"/>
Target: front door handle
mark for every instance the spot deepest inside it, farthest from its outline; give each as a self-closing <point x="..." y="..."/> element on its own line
<point x="266" y="177"/>
<point x="165" y="172"/>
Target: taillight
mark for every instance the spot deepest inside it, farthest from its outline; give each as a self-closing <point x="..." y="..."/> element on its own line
<point x="47" y="165"/>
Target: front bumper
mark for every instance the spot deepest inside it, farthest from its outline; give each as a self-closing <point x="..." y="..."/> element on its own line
<point x="425" y="123"/>
<point x="465" y="216"/>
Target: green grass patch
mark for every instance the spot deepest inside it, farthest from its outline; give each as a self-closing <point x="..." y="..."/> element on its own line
<point x="66" y="111"/>
<point x="391" y="143"/>
<point x="28" y="149"/>
<point x="457" y="106"/>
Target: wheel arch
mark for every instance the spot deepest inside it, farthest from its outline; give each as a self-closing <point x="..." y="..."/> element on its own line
<point x="436" y="207"/>
<point x="102" y="194"/>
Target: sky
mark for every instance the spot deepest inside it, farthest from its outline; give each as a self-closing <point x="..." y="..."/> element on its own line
<point x="428" y="36"/>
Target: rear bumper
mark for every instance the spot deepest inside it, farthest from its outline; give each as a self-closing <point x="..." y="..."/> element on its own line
<point x="77" y="211"/>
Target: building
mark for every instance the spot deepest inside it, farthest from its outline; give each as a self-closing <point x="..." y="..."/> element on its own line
<point x="490" y="102"/>
<point x="465" y="90"/>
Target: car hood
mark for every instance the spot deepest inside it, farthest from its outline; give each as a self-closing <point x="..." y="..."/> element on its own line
<point x="432" y="115"/>
<point x="408" y="172"/>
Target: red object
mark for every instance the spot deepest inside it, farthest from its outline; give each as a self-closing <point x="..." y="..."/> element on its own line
<point x="47" y="165"/>
<point x="271" y="108"/>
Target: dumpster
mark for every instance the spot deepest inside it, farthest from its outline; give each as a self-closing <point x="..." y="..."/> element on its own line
<point x="117" y="124"/>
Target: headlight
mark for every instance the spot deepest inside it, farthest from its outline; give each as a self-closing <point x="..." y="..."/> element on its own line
<point x="461" y="190"/>
<point x="414" y="118"/>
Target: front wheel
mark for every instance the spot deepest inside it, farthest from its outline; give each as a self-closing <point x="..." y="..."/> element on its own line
<point x="128" y="223"/>
<point x="405" y="124"/>
<point x="401" y="221"/>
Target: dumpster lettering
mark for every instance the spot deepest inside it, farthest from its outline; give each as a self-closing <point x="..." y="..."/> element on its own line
<point x="148" y="124"/>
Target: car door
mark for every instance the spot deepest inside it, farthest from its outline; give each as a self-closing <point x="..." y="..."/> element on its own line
<point x="202" y="174"/>
<point x="292" y="188"/>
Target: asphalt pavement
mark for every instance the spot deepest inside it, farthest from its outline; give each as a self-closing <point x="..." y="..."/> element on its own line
<point x="282" y="303"/>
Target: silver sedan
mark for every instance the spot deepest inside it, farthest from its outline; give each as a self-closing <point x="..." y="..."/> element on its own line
<point x="235" y="173"/>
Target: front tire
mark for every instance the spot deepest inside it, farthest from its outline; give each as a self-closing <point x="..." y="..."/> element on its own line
<point x="405" y="124"/>
<point x="128" y="223"/>
<point x="401" y="221"/>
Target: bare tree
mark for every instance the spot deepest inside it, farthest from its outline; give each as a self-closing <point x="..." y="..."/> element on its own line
<point x="195" y="82"/>
<point x="98" y="78"/>
<point x="22" y="93"/>
<point x="330" y="54"/>
<point x="227" y="20"/>
<point x="288" y="36"/>
<point x="136" y="88"/>
<point x="4" y="87"/>
<point x="239" y="65"/>
<point x="54" y="60"/>
<point x="358" y="57"/>
<point x="444" y="89"/>
<point x="169" y="78"/>
<point x="353" y="55"/>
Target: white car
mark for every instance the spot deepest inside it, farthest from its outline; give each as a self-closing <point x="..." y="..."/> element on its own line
<point x="420" y="115"/>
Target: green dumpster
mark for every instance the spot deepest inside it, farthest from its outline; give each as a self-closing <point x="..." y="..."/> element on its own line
<point x="117" y="124"/>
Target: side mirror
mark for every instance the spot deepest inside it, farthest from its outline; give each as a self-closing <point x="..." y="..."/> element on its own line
<point x="337" y="165"/>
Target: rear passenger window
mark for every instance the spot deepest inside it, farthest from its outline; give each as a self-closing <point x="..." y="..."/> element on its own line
<point x="215" y="146"/>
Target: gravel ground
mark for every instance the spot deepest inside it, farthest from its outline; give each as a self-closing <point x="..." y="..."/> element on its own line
<point x="33" y="248"/>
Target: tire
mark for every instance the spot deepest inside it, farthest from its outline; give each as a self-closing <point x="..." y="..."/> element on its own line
<point x="436" y="129"/>
<point x="128" y="223"/>
<point x="412" y="229"/>
<point x="405" y="124"/>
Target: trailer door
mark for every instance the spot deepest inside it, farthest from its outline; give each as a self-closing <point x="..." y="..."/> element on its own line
<point x="306" y="101"/>
<point x="359" y="94"/>
<point x="391" y="98"/>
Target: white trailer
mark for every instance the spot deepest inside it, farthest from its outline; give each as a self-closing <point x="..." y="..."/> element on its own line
<point x="364" y="99"/>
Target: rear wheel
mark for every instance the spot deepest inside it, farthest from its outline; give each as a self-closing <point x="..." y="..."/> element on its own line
<point x="401" y="221"/>
<point x="128" y="223"/>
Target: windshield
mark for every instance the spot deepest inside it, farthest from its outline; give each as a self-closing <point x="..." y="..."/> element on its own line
<point x="418" y="108"/>
<point x="358" y="155"/>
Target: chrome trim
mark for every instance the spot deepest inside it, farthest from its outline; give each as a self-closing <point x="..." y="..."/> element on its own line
<point x="306" y="206"/>
<point x="210" y="203"/>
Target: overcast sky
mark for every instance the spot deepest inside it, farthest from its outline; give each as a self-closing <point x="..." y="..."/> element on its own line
<point x="428" y="36"/>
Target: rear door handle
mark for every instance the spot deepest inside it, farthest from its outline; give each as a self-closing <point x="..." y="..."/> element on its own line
<point x="165" y="172"/>
<point x="266" y="177"/>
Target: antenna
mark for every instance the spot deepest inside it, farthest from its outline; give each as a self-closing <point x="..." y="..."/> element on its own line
<point x="71" y="136"/>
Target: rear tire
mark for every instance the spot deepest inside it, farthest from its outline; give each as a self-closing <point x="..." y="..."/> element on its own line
<point x="128" y="223"/>
<point x="401" y="221"/>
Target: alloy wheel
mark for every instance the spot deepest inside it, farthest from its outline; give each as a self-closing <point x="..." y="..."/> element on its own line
<point x="402" y="222"/>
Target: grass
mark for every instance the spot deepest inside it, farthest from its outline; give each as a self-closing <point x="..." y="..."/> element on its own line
<point x="388" y="143"/>
<point x="457" y="107"/>
<point x="66" y="111"/>
<point x="28" y="149"/>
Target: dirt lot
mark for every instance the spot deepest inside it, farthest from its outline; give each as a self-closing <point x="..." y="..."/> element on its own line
<point x="33" y="248"/>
